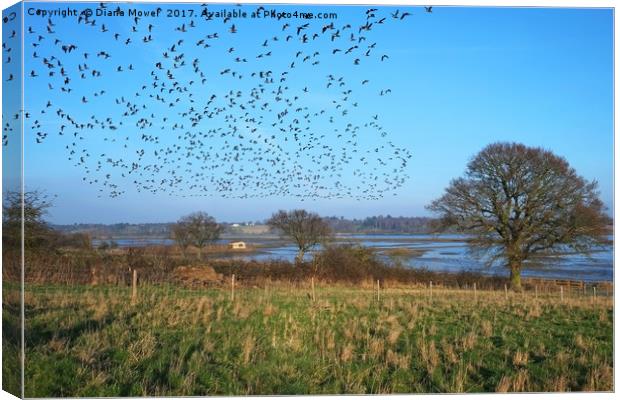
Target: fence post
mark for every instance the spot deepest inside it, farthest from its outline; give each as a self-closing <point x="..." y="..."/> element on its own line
<point x="232" y="287"/>
<point x="134" y="287"/>
<point x="430" y="286"/>
<point x="562" y="293"/>
<point x="313" y="294"/>
<point x="378" y="288"/>
<point x="475" y="292"/>
<point x="536" y="291"/>
<point x="594" y="292"/>
<point x="506" y="291"/>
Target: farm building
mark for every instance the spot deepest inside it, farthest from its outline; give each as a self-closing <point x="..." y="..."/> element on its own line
<point x="237" y="245"/>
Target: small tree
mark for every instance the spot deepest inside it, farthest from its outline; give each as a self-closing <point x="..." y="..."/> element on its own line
<point x="517" y="201"/>
<point x="198" y="229"/>
<point x="305" y="228"/>
<point x="180" y="234"/>
<point x="37" y="233"/>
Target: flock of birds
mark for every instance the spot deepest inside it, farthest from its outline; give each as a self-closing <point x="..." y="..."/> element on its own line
<point x="179" y="109"/>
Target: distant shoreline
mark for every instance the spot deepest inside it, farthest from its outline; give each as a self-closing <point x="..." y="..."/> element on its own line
<point x="441" y="253"/>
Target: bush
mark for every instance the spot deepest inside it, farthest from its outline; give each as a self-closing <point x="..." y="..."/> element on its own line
<point x="74" y="240"/>
<point x="254" y="271"/>
<point x="349" y="263"/>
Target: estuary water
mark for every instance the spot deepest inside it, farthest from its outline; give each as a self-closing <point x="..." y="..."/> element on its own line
<point x="444" y="252"/>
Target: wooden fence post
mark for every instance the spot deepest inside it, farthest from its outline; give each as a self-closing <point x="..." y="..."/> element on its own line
<point x="134" y="287"/>
<point x="506" y="291"/>
<point x="378" y="288"/>
<point x="562" y="293"/>
<point x="536" y="291"/>
<point x="232" y="287"/>
<point x="475" y="292"/>
<point x="430" y="286"/>
<point x="313" y="293"/>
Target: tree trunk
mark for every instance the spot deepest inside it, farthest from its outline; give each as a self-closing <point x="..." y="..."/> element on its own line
<point x="515" y="275"/>
<point x="300" y="256"/>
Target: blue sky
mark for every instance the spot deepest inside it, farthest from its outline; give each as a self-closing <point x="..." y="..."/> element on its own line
<point x="461" y="78"/>
<point x="11" y="102"/>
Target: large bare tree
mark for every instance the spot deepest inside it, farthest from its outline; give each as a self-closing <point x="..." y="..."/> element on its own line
<point x="198" y="229"/>
<point x="307" y="229"/>
<point x="517" y="201"/>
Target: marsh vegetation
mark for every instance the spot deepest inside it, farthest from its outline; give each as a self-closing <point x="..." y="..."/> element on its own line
<point x="88" y="341"/>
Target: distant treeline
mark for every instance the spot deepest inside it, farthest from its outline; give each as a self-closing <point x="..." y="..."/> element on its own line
<point x="381" y="224"/>
<point x="117" y="230"/>
<point x="375" y="224"/>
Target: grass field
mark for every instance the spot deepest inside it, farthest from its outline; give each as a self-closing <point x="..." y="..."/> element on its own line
<point x="93" y="342"/>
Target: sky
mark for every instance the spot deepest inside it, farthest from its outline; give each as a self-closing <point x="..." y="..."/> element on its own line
<point x="460" y="79"/>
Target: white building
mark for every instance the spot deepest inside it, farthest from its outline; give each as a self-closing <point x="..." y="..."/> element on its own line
<point x="237" y="245"/>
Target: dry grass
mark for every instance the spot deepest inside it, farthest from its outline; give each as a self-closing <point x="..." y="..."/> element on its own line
<point x="90" y="342"/>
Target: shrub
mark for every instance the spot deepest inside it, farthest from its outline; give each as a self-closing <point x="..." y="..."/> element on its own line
<point x="348" y="263"/>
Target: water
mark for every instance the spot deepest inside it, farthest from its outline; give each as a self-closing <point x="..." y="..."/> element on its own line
<point x="447" y="253"/>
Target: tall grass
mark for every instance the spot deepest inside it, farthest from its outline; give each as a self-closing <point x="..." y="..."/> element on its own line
<point x="88" y="341"/>
<point x="11" y="340"/>
<point x="84" y="337"/>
